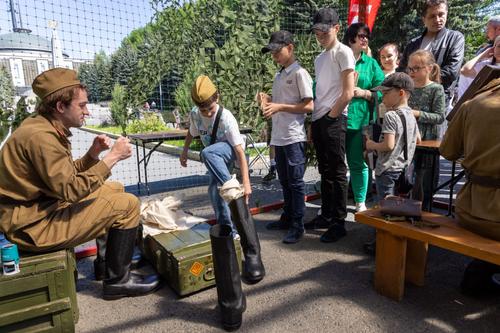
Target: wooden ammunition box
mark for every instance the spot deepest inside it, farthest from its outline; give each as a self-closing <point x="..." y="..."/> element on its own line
<point x="184" y="258"/>
<point x="42" y="297"/>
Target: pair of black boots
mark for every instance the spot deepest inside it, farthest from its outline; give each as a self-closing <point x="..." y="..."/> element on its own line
<point x="113" y="264"/>
<point x="232" y="301"/>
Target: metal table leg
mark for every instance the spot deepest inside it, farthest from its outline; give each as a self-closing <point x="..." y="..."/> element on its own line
<point x="138" y="168"/>
<point x="259" y="153"/>
<point x="145" y="167"/>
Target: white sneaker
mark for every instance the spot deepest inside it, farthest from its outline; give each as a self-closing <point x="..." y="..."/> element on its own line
<point x="360" y="207"/>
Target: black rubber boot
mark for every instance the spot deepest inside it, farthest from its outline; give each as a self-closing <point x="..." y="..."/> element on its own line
<point x="253" y="269"/>
<point x="120" y="282"/>
<point x="232" y="301"/>
<point x="100" y="260"/>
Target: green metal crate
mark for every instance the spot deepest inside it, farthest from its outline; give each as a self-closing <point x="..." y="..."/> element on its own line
<point x="184" y="258"/>
<point x="42" y="297"/>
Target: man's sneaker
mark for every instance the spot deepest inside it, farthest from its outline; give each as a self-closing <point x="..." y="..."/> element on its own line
<point x="270" y="176"/>
<point x="360" y="207"/>
<point x="333" y="234"/>
<point x="319" y="222"/>
<point x="293" y="236"/>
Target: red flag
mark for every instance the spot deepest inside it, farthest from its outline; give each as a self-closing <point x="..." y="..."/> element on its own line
<point x="363" y="11"/>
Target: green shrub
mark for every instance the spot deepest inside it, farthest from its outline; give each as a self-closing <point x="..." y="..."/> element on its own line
<point x="150" y="123"/>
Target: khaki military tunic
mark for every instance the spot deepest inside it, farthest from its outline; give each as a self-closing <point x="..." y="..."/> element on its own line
<point x="49" y="201"/>
<point x="474" y="133"/>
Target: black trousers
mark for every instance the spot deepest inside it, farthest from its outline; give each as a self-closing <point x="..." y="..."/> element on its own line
<point x="329" y="136"/>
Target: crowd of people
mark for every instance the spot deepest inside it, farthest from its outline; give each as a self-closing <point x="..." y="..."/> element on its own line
<point x="48" y="201"/>
<point x="347" y="101"/>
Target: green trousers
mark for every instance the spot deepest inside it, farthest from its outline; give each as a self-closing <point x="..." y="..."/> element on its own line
<point x="358" y="169"/>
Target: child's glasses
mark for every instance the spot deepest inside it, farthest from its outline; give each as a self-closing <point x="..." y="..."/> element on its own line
<point x="414" y="69"/>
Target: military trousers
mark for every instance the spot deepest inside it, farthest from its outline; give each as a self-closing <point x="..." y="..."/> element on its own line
<point x="74" y="224"/>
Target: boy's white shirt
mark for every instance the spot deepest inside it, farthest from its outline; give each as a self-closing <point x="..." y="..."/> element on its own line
<point x="328" y="68"/>
<point x="291" y="86"/>
<point x="228" y="129"/>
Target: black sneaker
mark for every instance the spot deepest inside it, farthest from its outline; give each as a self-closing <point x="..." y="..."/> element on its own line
<point x="319" y="222"/>
<point x="293" y="235"/>
<point x="270" y="176"/>
<point x="333" y="234"/>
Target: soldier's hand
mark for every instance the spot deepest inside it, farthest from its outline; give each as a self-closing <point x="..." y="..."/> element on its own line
<point x="101" y="143"/>
<point x="121" y="150"/>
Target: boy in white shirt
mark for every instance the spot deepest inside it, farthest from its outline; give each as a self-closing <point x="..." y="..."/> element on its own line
<point x="292" y="99"/>
<point x="334" y="69"/>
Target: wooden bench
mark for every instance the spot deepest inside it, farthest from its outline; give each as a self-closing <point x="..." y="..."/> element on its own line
<point x="401" y="253"/>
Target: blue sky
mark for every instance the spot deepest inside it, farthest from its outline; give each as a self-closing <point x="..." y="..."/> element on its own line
<point x="84" y="26"/>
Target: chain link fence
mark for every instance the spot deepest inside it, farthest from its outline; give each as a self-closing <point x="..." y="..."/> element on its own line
<point x="139" y="58"/>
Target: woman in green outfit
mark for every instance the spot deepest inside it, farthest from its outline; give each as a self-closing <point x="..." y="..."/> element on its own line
<point x="369" y="75"/>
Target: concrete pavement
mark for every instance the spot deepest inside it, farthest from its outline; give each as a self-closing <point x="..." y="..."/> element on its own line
<point x="309" y="287"/>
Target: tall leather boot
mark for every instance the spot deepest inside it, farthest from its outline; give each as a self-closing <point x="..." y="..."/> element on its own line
<point x="253" y="269"/>
<point x="232" y="301"/>
<point x="120" y="282"/>
<point x="100" y="260"/>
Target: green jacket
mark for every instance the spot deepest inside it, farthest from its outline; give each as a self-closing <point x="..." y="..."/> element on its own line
<point x="370" y="75"/>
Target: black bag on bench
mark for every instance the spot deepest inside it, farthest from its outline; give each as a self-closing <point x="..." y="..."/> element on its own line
<point x="401" y="207"/>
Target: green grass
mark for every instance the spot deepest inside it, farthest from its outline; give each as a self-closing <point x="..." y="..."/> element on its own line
<point x="110" y="129"/>
<point x="196" y="145"/>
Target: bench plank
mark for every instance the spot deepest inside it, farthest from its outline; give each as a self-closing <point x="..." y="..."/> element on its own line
<point x="448" y="236"/>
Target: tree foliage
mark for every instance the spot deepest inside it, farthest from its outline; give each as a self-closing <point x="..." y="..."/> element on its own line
<point x="21" y="112"/>
<point x="119" y="108"/>
<point x="223" y="39"/>
<point x="97" y="76"/>
<point x="6" y="94"/>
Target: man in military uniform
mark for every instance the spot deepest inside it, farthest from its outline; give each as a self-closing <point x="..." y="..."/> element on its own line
<point x="48" y="201"/>
<point x="477" y="206"/>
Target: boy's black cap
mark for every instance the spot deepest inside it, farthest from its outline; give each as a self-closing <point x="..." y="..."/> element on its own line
<point x="398" y="80"/>
<point x="278" y="40"/>
<point x="324" y="19"/>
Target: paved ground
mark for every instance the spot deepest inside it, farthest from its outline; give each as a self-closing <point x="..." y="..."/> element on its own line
<point x="309" y="287"/>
